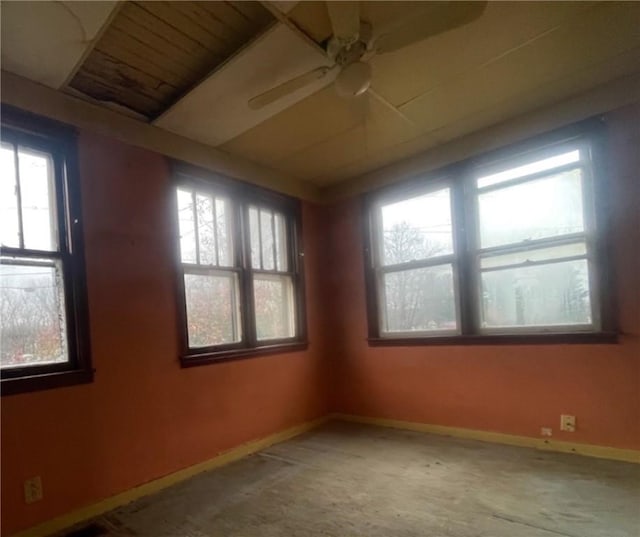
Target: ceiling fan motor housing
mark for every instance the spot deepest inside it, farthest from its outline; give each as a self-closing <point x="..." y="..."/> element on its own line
<point x="354" y="79"/>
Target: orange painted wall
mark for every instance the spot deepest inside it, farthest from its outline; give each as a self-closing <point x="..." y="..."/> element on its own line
<point x="513" y="388"/>
<point x="144" y="416"/>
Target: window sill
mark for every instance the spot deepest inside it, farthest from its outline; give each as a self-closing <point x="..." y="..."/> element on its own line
<point x="45" y="381"/>
<point x="496" y="339"/>
<point x="196" y="359"/>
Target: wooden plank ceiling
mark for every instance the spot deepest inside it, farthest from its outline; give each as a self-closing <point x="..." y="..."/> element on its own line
<point x="153" y="52"/>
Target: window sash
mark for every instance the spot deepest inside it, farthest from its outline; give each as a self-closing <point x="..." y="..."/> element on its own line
<point x="383" y="326"/>
<point x="234" y="305"/>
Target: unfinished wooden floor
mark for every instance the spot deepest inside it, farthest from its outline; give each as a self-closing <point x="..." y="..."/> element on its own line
<point x="350" y="480"/>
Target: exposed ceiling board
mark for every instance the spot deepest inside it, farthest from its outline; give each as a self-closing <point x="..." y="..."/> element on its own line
<point x="401" y="76"/>
<point x="217" y="110"/>
<point x="152" y="52"/>
<point x="579" y="43"/>
<point x="44" y="41"/>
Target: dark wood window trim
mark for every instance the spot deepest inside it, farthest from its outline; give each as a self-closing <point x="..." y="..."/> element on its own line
<point x="60" y="141"/>
<point x="242" y="195"/>
<point x="458" y="175"/>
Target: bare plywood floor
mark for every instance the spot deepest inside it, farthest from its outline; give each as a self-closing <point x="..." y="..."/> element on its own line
<point x="351" y="480"/>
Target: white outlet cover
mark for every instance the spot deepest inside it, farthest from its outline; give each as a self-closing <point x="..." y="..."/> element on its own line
<point x="567" y="422"/>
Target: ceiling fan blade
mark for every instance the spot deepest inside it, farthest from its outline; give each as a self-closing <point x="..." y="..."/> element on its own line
<point x="284" y="89"/>
<point x="345" y="20"/>
<point x="438" y="17"/>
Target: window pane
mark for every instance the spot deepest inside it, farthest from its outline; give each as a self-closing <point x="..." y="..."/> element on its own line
<point x="275" y="316"/>
<point x="268" y="261"/>
<point x="539" y="254"/>
<point x="420" y="300"/>
<point x="529" y="169"/>
<point x="212" y="309"/>
<point x="9" y="227"/>
<point x="225" y="240"/>
<point x="281" y="243"/>
<point x="542" y="208"/>
<point x="543" y="295"/>
<point x="206" y="230"/>
<point x="38" y="200"/>
<point x="187" y="227"/>
<point x="32" y="312"/>
<point x="417" y="228"/>
<point x="254" y="235"/>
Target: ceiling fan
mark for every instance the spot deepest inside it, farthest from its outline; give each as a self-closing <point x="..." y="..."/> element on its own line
<point x="353" y="43"/>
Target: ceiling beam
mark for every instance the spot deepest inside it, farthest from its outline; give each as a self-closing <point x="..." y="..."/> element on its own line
<point x="22" y="93"/>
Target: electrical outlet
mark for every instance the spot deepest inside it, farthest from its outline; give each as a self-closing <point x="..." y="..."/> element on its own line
<point x="567" y="423"/>
<point x="546" y="431"/>
<point x="33" y="489"/>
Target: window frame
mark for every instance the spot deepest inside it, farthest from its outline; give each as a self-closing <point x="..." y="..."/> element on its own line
<point x="590" y="133"/>
<point x="241" y="196"/>
<point x="60" y="142"/>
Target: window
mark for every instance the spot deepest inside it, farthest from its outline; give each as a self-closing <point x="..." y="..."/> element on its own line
<point x="42" y="289"/>
<point x="241" y="274"/>
<point x="493" y="249"/>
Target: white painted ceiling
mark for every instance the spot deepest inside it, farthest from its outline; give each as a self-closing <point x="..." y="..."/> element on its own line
<point x="45" y="41"/>
<point x="517" y="57"/>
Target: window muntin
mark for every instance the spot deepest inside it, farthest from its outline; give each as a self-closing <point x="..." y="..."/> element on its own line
<point x="528" y="249"/>
<point x="241" y="278"/>
<point x="415" y="264"/>
<point x="43" y="310"/>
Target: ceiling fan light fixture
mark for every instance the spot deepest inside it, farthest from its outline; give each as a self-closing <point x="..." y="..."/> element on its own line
<point x="354" y="79"/>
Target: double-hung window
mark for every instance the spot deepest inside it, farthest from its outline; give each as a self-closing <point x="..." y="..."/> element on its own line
<point x="534" y="253"/>
<point x="43" y="314"/>
<point x="241" y="269"/>
<point x="507" y="246"/>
